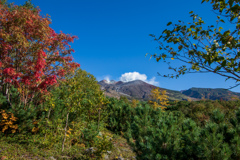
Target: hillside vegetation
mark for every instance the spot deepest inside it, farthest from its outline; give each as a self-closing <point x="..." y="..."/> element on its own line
<point x="52" y="109"/>
<point x="186" y="130"/>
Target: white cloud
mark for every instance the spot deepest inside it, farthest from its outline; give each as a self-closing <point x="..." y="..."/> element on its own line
<point x="131" y="76"/>
<point x="153" y="82"/>
<point x="107" y="78"/>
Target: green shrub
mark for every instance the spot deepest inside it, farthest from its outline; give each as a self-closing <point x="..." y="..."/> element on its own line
<point x="187" y="130"/>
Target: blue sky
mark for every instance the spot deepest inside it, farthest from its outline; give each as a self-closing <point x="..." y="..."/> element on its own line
<point x="113" y="36"/>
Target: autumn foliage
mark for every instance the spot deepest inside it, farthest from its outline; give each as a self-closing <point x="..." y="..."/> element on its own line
<point x="7" y="122"/>
<point x="32" y="55"/>
<point x="159" y="98"/>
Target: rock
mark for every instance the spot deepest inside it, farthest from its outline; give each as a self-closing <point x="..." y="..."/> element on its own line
<point x="91" y="149"/>
<point x="106" y="157"/>
<point x="52" y="158"/>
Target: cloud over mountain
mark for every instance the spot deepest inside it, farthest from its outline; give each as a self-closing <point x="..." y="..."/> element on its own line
<point x="107" y="78"/>
<point x="131" y="76"/>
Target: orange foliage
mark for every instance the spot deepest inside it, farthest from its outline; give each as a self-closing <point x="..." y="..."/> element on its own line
<point x="7" y="121"/>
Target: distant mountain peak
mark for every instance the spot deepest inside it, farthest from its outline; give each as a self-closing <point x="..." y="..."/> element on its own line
<point x="122" y="82"/>
<point x="109" y="82"/>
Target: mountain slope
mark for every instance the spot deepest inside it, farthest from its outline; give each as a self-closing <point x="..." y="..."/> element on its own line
<point x="209" y="93"/>
<point x="136" y="89"/>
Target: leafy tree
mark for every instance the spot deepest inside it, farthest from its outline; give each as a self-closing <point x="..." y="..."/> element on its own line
<point x="160" y="99"/>
<point x="204" y="48"/>
<point x="80" y="95"/>
<point x="32" y="55"/>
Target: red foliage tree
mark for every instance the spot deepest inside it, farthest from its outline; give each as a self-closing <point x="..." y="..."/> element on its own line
<point x="32" y="55"/>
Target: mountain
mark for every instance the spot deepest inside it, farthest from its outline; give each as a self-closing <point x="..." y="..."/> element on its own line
<point x="209" y="93"/>
<point x="136" y="89"/>
<point x="141" y="90"/>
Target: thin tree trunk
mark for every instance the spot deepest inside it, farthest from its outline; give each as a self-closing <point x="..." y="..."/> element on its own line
<point x="47" y="120"/>
<point x="7" y="94"/>
<point x="64" y="139"/>
<point x="99" y="114"/>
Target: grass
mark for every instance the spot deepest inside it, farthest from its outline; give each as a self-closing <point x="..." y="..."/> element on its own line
<point x="121" y="149"/>
<point x="14" y="149"/>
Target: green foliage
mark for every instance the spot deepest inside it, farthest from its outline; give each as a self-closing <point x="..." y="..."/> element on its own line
<point x="47" y="124"/>
<point x="79" y="94"/>
<point x="186" y="130"/>
<point x="75" y="114"/>
<point x="204" y="48"/>
<point x="179" y="132"/>
<point x="119" y="112"/>
<point x="26" y="116"/>
<point x="228" y="8"/>
<point x="201" y="111"/>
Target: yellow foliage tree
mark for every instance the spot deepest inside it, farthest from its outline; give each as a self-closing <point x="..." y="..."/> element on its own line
<point x="135" y="103"/>
<point x="159" y="98"/>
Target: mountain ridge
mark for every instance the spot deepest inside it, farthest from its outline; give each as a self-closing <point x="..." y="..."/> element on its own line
<point x="141" y="90"/>
<point x="211" y="93"/>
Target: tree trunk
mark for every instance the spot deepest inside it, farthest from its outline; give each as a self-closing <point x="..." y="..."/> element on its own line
<point x="64" y="139"/>
<point x="7" y="93"/>
<point x="47" y="120"/>
<point x="99" y="114"/>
